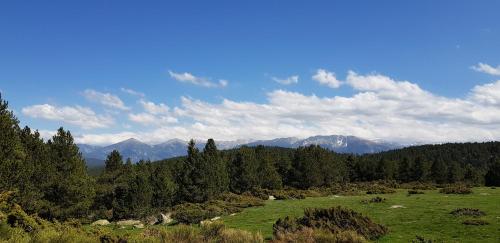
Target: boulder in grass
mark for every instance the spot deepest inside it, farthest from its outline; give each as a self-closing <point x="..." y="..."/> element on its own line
<point x="271" y="197"/>
<point x="152" y="220"/>
<point x="166" y="218"/>
<point x="129" y="222"/>
<point x="101" y="222"/>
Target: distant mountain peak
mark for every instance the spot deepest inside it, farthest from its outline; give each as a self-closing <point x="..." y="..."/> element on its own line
<point x="136" y="150"/>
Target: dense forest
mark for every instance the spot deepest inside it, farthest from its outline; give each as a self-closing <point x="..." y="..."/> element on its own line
<point x="50" y="178"/>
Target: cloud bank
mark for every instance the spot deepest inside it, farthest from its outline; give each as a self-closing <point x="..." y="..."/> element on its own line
<point x="380" y="108"/>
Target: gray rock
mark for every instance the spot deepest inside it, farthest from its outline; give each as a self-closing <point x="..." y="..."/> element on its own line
<point x="101" y="222"/>
<point x="271" y="197"/>
<point x="139" y="226"/>
<point x="152" y="220"/>
<point x="128" y="222"/>
<point x="166" y="218"/>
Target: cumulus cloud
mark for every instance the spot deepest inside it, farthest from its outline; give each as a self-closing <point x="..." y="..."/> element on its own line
<point x="485" y="68"/>
<point x="382" y="108"/>
<point x="155" y="114"/>
<point x="199" y="81"/>
<point x="83" y="117"/>
<point x="327" y="78"/>
<point x="286" y="81"/>
<point x="153" y="108"/>
<point x="106" y="99"/>
<point x="487" y="93"/>
<point x="132" y="92"/>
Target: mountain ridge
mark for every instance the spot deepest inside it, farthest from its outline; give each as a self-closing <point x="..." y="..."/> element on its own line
<point x="136" y="150"/>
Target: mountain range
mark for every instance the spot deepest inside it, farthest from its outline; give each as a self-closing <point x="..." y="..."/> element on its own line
<point x="137" y="150"/>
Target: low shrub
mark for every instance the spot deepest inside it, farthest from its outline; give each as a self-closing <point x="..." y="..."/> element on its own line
<point x="420" y="239"/>
<point x="373" y="200"/>
<point x="318" y="235"/>
<point x="193" y="214"/>
<point x="475" y="222"/>
<point x="414" y="192"/>
<point x="379" y="189"/>
<point x="335" y="220"/>
<point x="225" y="204"/>
<point x="468" y="212"/>
<point x="456" y="189"/>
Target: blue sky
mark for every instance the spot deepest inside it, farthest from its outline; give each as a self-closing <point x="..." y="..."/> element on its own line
<point x="68" y="63"/>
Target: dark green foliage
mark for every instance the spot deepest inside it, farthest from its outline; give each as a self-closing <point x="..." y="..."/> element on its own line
<point x="468" y="212"/>
<point x="244" y="170"/>
<point x="314" y="166"/>
<point x="492" y="177"/>
<point x="214" y="172"/>
<point x="476" y="222"/>
<point x="71" y="192"/>
<point x="456" y="189"/>
<point x="114" y="162"/>
<point x="336" y="219"/>
<point x="12" y="153"/>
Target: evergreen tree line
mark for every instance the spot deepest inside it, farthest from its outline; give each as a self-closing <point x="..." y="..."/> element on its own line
<point x="51" y="177"/>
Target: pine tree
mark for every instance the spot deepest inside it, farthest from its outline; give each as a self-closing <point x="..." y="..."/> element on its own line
<point x="268" y="174"/>
<point x="190" y="177"/>
<point x="114" y="162"/>
<point x="71" y="192"/>
<point x="492" y="177"/>
<point x="244" y="171"/>
<point x="216" y="179"/>
<point x="12" y="153"/>
<point x="439" y="171"/>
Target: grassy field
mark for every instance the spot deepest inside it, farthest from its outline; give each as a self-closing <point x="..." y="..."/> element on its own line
<point x="426" y="215"/>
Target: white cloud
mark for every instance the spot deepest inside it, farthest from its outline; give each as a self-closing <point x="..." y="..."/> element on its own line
<point x="487" y="93"/>
<point x="380" y="108"/>
<point x="290" y="80"/>
<point x="199" y="81"/>
<point x="155" y="114"/>
<point x="105" y="99"/>
<point x="150" y="119"/>
<point x="485" y="68"/>
<point x="83" y="117"/>
<point x="326" y="78"/>
<point x="223" y="82"/>
<point x="153" y="108"/>
<point x="132" y="92"/>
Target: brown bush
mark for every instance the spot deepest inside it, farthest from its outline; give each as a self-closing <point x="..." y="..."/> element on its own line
<point x="475" y="222"/>
<point x="318" y="235"/>
<point x="335" y="220"/>
<point x="456" y="189"/>
<point x="468" y="212"/>
<point x="379" y="189"/>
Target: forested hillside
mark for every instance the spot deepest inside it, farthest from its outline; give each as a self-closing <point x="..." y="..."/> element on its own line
<point x="49" y="178"/>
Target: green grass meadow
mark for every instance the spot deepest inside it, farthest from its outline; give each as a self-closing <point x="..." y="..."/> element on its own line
<point x="426" y="215"/>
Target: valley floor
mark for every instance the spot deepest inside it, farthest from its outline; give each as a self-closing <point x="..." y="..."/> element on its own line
<point x="427" y="215"/>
